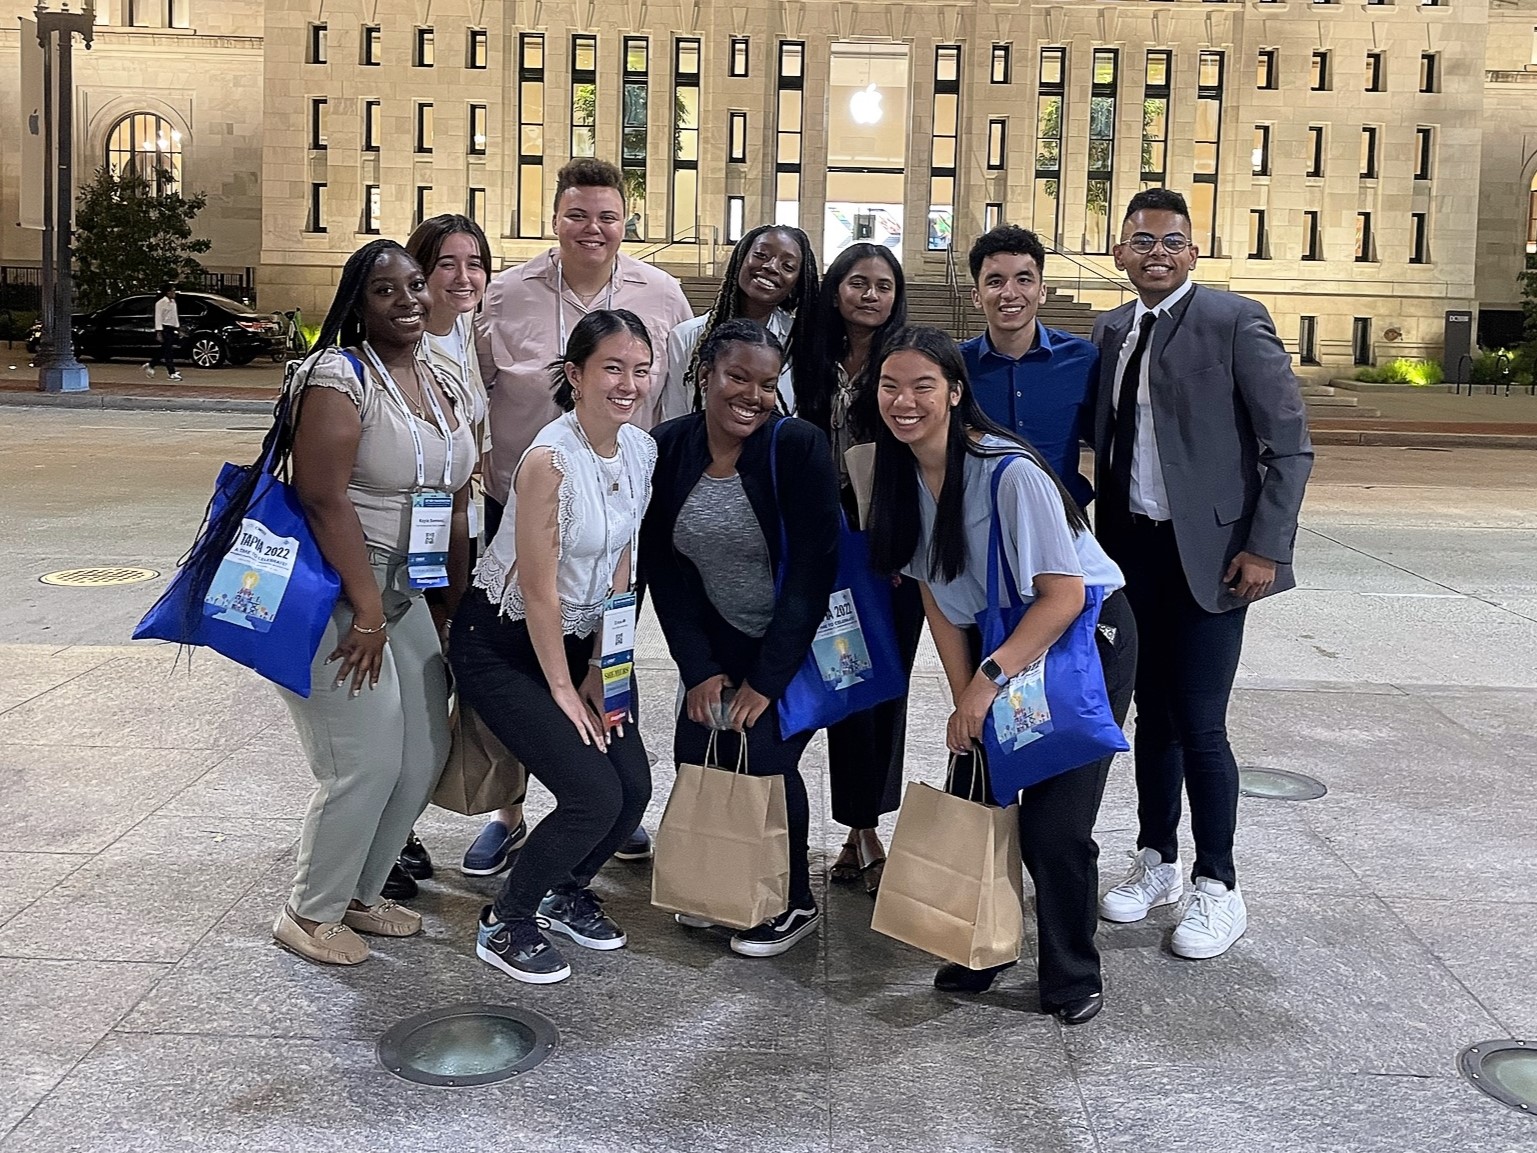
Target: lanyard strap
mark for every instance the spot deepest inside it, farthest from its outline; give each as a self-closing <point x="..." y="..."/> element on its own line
<point x="597" y="463"/>
<point x="560" y="304"/>
<point x="438" y="419"/>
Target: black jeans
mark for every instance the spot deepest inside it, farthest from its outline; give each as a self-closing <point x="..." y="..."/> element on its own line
<point x="1056" y="831"/>
<point x="599" y="796"/>
<point x="1184" y="680"/>
<point x="169" y="338"/>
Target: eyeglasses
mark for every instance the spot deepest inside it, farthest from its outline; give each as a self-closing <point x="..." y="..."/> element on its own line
<point x="1142" y="243"/>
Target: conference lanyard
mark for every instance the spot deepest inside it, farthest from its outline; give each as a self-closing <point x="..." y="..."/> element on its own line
<point x="616" y="640"/>
<point x="560" y="303"/>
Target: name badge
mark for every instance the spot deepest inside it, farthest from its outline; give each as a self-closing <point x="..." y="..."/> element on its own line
<point x="427" y="561"/>
<point x="617" y="656"/>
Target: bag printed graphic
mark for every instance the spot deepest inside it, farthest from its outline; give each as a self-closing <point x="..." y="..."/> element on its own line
<point x="839" y="645"/>
<point x="1021" y="713"/>
<point x="248" y="587"/>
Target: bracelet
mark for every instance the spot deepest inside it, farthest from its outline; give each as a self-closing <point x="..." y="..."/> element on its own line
<point x="357" y="628"/>
<point x="595" y="662"/>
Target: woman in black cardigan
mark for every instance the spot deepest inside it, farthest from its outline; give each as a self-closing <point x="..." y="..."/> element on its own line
<point x="710" y="545"/>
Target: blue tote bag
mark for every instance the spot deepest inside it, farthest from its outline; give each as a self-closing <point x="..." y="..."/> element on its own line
<point x="267" y="602"/>
<point x="1057" y="713"/>
<point x="854" y="662"/>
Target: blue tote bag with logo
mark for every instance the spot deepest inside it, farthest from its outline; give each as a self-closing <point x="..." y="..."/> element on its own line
<point x="1055" y="715"/>
<point x="254" y="586"/>
<point x="854" y="662"/>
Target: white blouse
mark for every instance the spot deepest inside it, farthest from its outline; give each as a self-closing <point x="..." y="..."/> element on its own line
<point x="600" y="506"/>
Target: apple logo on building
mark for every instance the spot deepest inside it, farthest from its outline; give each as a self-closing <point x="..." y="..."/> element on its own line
<point x="33" y="128"/>
<point x="865" y="105"/>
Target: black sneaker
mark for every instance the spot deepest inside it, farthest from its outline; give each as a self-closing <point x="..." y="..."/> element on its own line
<point x="399" y="885"/>
<point x="415" y="859"/>
<point x="579" y="915"/>
<point x="954" y="978"/>
<point x="637" y="848"/>
<point x="776" y="936"/>
<point x="520" y="950"/>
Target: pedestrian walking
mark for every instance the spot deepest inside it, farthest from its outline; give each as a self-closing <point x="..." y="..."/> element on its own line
<point x="167" y="333"/>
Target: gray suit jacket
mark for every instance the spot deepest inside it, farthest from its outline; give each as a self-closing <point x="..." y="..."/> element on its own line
<point x="1232" y="437"/>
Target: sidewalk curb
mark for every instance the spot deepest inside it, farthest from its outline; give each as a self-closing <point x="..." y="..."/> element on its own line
<point x="1390" y="438"/>
<point x="107" y="400"/>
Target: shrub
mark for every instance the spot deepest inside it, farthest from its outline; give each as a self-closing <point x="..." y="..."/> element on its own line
<point x="1422" y="373"/>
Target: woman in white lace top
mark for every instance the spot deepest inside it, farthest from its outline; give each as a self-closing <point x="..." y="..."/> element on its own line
<point x="528" y="644"/>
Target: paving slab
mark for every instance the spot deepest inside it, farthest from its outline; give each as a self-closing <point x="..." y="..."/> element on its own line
<point x="24" y="877"/>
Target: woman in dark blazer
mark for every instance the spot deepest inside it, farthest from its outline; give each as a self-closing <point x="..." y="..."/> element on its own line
<point x="711" y="547"/>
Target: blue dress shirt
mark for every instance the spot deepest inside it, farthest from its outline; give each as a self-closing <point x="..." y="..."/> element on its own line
<point x="1042" y="397"/>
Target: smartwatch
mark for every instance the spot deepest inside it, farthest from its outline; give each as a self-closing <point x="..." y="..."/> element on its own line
<point x="994" y="673"/>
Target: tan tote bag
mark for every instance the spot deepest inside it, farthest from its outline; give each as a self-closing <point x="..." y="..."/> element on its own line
<point x="723" y="849"/>
<point x="481" y="775"/>
<point x="952" y="884"/>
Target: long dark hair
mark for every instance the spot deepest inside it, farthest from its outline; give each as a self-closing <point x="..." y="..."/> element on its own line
<point x="591" y="331"/>
<point x="800" y="346"/>
<point x="894" y="502"/>
<point x="814" y="390"/>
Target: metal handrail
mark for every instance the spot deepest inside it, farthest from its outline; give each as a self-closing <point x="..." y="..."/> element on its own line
<point x="1102" y="282"/>
<point x="953" y="283"/>
<point x="701" y="241"/>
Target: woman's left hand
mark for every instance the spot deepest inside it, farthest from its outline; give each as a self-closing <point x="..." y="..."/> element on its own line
<point x="746" y="707"/>
<point x="965" y="725"/>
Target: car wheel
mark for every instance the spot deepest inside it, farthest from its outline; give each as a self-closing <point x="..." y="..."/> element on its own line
<point x="243" y="358"/>
<point x="208" y="351"/>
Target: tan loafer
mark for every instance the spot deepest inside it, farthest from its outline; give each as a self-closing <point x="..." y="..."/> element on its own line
<point x="386" y="919"/>
<point x="332" y="943"/>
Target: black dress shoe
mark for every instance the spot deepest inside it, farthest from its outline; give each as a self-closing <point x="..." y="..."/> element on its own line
<point x="960" y="979"/>
<point x="1077" y="1012"/>
<point x="414" y="858"/>
<point x="399" y="885"/>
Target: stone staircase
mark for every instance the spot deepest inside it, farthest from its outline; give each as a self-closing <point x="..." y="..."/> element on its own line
<point x="1326" y="400"/>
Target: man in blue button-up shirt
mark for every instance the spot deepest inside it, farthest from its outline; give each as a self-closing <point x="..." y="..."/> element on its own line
<point x="1033" y="380"/>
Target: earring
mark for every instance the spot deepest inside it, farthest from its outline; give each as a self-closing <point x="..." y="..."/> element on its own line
<point x="575" y="396"/>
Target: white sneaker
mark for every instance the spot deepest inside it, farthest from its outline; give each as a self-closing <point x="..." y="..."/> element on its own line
<point x="1215" y="919"/>
<point x="149" y="371"/>
<point x="174" y="376"/>
<point x="1149" y="883"/>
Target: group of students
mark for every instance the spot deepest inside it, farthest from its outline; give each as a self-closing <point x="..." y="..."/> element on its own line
<point x="626" y="446"/>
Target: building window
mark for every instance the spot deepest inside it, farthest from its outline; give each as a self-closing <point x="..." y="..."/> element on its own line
<point x="424" y="128"/>
<point x="947" y="118"/>
<point x="1208" y="148"/>
<point x="1419" y="243"/>
<point x="477" y="51"/>
<point x="1315" y="151"/>
<point x="1424" y="151"/>
<point x="138" y="13"/>
<point x="477" y="133"/>
<point x="1369" y="153"/>
<point x="317" y="51"/>
<point x="1267" y="75"/>
<point x="1003" y="64"/>
<point x="1361" y="340"/>
<point x="1155" y="116"/>
<point x="1046" y="207"/>
<point x="685" y="138"/>
<point x="422" y="55"/>
<point x="423" y="204"/>
<point x="371" y="51"/>
<point x="371" y="209"/>
<point x="1259" y="235"/>
<point x="177" y="14"/>
<point x="147" y="146"/>
<point x="739" y="60"/>
<point x="992" y="215"/>
<point x="1307" y="339"/>
<point x="736" y="138"/>
<point x="1376" y="72"/>
<point x="736" y="215"/>
<point x="475" y="206"/>
<point x="316" y="222"/>
<point x="1366" y="244"/>
<point x="370" y="126"/>
<point x="318" y="122"/>
<point x="584" y="95"/>
<point x="530" y="199"/>
<point x="1320" y="75"/>
<point x="1104" y="81"/>
<point x="1430" y="72"/>
<point x="788" y="122"/>
<point x="1312" y="242"/>
<point x="1260" y="159"/>
<point x="997" y="143"/>
<point x="634" y="130"/>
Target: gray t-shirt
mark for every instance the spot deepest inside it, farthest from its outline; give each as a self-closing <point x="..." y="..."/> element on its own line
<point x="719" y="532"/>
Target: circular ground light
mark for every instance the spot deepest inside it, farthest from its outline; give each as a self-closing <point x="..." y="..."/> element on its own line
<point x="1278" y="784"/>
<point x="102" y="577"/>
<point x="1505" y="1070"/>
<point x="467" y="1045"/>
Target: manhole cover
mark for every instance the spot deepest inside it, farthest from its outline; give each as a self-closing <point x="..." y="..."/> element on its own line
<point x="467" y="1045"/>
<point x="98" y="577"/>
<point x="1505" y="1070"/>
<point x="1278" y="784"/>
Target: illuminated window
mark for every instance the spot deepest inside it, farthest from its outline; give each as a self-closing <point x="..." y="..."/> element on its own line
<point x="1155" y="117"/>
<point x="477" y="51"/>
<point x="947" y="99"/>
<point x="1104" y="80"/>
<point x="477" y="130"/>
<point x="1003" y="64"/>
<point x="685" y="139"/>
<point x="584" y="95"/>
<point x="739" y="58"/>
<point x="635" y="109"/>
<point x="1046" y="208"/>
<point x="789" y="118"/>
<point x="736" y="137"/>
<point x="1208" y="148"/>
<point x="148" y="146"/>
<point x="530" y="196"/>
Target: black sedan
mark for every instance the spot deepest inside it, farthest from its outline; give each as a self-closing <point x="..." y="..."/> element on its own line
<point x="214" y="331"/>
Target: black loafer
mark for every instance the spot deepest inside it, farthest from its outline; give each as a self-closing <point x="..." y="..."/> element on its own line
<point x="1077" y="1012"/>
<point x="414" y="858"/>
<point x="960" y="979"/>
<point x="399" y="885"/>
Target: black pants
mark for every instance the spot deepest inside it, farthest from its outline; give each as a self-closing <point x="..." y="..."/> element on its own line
<point x="599" y="796"/>
<point x="169" y="338"/>
<point x="494" y="511"/>
<point x="1184" y="680"/>
<point x="1056" y="831"/>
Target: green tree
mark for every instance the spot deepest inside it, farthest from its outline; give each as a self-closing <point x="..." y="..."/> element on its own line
<point x="130" y="238"/>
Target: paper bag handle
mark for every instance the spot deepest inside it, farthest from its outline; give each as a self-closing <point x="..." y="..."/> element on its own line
<point x="976" y="775"/>
<point x="711" y="756"/>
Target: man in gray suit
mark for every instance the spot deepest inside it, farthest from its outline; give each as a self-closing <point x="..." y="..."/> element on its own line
<point x="1202" y="455"/>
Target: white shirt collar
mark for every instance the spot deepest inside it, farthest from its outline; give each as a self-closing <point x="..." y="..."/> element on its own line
<point x="1163" y="306"/>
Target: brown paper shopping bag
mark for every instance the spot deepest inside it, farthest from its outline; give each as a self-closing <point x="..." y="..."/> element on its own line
<point x="952" y="885"/>
<point x="723" y="848"/>
<point x="481" y="775"/>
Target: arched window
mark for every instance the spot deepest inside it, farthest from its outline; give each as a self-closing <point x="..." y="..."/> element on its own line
<point x="1531" y="217"/>
<point x="147" y="144"/>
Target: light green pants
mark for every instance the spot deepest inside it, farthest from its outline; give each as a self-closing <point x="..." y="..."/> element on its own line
<point x="376" y="757"/>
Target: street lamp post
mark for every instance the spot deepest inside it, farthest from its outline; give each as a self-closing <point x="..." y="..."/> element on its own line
<point x="56" y="33"/>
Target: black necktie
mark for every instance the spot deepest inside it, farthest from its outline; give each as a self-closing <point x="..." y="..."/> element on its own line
<point x="1124" y="437"/>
